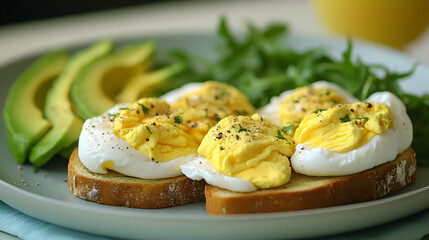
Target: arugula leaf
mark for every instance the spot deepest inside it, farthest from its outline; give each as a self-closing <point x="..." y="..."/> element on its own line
<point x="226" y="34"/>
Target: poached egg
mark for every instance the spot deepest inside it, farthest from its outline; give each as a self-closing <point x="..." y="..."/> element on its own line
<point x="348" y="139"/>
<point x="243" y="154"/>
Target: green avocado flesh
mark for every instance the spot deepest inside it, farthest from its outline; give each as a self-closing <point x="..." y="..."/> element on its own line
<point x="96" y="87"/>
<point x="145" y="84"/>
<point x="58" y="109"/>
<point x="22" y="114"/>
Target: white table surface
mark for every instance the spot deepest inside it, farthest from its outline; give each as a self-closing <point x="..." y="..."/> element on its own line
<point x="19" y="40"/>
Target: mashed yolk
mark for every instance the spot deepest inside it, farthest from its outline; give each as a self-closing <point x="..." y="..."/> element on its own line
<point x="201" y="109"/>
<point x="149" y="127"/>
<point x="306" y="100"/>
<point x="344" y="127"/>
<point x="250" y="148"/>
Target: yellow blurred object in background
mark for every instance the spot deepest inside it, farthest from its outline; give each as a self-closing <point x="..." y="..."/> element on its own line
<point x="391" y="22"/>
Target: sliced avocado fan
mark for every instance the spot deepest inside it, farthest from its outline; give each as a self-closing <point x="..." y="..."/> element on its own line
<point x="22" y="114"/>
<point x="96" y="87"/>
<point x="66" y="126"/>
<point x="146" y="84"/>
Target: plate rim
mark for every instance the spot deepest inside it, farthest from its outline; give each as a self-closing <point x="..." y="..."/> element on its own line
<point x="10" y="187"/>
<point x="262" y="219"/>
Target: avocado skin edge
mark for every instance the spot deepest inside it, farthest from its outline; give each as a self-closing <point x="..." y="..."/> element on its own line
<point x="23" y="119"/>
<point x="58" y="109"/>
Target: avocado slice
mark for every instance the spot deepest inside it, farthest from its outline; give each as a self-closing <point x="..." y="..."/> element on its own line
<point x="66" y="126"/>
<point x="22" y="114"/>
<point x="67" y="152"/>
<point x="96" y="87"/>
<point x="146" y="84"/>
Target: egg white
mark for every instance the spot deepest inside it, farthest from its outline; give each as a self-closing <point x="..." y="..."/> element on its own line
<point x="270" y="111"/>
<point x="98" y="144"/>
<point x="176" y="94"/>
<point x="199" y="168"/>
<point x="380" y="149"/>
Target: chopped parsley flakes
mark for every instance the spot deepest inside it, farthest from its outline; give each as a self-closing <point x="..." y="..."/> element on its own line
<point x="178" y="119"/>
<point x="319" y="110"/>
<point x="345" y="119"/>
<point x="280" y="136"/>
<point x="113" y="115"/>
<point x="242" y="129"/>
<point x="144" y="108"/>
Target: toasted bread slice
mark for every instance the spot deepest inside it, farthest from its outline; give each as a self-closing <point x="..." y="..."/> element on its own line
<point x="119" y="190"/>
<point x="306" y="192"/>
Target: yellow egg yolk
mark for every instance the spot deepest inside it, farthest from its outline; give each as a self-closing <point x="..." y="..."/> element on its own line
<point x="344" y="127"/>
<point x="202" y="108"/>
<point x="250" y="148"/>
<point x="303" y="101"/>
<point x="149" y="126"/>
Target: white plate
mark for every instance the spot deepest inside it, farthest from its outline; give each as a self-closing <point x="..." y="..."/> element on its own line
<point x="45" y="195"/>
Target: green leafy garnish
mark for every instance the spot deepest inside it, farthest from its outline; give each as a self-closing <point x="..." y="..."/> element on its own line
<point x="111" y="115"/>
<point x="221" y="148"/>
<point x="221" y="94"/>
<point x="319" y="110"/>
<point x="290" y="127"/>
<point x="178" y="119"/>
<point x="124" y="108"/>
<point x="147" y="128"/>
<point x="144" y="108"/>
<point x="241" y="129"/>
<point x="363" y="118"/>
<point x="345" y="119"/>
<point x="280" y="136"/>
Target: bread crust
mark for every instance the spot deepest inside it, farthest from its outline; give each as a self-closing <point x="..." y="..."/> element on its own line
<point x="304" y="192"/>
<point x="119" y="190"/>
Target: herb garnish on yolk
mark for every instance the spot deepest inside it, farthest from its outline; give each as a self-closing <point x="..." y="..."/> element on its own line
<point x="306" y="100"/>
<point x="344" y="127"/>
<point x="144" y="108"/>
<point x="253" y="151"/>
<point x="154" y="133"/>
<point x="204" y="107"/>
